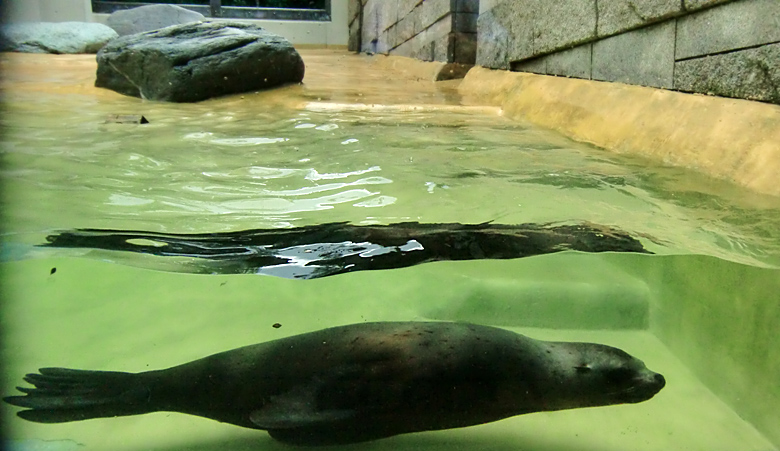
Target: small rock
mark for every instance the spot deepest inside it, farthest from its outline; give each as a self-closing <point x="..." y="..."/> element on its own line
<point x="126" y="119"/>
<point x="150" y="17"/>
<point x="60" y="37"/>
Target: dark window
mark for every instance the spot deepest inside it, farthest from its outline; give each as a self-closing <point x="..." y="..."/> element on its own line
<point x="318" y="10"/>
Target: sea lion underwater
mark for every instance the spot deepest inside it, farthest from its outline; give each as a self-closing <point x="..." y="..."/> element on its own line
<point x="356" y="383"/>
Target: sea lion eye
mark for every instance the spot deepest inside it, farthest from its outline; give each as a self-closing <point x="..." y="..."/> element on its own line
<point x="584" y="368"/>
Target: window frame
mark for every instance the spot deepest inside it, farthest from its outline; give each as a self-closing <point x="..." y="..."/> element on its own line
<point x="215" y="10"/>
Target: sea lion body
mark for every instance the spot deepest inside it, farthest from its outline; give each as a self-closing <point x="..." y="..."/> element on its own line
<point x="359" y="382"/>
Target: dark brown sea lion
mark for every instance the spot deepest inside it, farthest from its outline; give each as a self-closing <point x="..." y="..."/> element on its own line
<point x="359" y="382"/>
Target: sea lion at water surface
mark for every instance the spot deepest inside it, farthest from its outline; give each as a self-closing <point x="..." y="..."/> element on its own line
<point x="358" y="382"/>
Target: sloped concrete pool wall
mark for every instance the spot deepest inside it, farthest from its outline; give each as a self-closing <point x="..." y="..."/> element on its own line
<point x="729" y="139"/>
<point x="723" y="323"/>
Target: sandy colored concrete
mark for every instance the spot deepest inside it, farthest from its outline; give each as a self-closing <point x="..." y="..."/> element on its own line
<point x="735" y="140"/>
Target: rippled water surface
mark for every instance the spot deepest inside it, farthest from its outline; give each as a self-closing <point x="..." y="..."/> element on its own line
<point x="257" y="161"/>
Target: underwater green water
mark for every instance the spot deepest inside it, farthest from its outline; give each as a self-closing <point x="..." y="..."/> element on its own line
<point x="703" y="311"/>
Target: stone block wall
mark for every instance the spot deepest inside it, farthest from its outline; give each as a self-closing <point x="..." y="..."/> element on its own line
<point x="724" y="47"/>
<point x="429" y="30"/>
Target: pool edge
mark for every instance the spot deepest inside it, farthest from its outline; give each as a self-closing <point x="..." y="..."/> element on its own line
<point x="729" y="139"/>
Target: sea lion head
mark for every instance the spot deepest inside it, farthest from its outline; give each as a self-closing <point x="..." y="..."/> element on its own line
<point x="589" y="374"/>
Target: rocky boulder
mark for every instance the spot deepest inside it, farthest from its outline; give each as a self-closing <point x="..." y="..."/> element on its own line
<point x="197" y="61"/>
<point x="60" y="37"/>
<point x="150" y="17"/>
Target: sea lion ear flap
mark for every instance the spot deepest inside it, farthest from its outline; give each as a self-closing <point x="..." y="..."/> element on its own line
<point x="295" y="409"/>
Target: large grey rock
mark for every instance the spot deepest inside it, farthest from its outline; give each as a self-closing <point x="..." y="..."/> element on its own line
<point x="748" y="74"/>
<point x="60" y="37"/>
<point x="150" y="17"/>
<point x="192" y="62"/>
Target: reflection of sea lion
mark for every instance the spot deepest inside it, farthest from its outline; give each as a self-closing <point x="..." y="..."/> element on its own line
<point x="359" y="382"/>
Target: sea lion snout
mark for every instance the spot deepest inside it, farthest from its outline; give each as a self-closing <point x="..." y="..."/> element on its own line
<point x="646" y="385"/>
<point x="660" y="381"/>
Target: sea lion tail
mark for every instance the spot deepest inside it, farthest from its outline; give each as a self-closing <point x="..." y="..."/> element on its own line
<point x="61" y="395"/>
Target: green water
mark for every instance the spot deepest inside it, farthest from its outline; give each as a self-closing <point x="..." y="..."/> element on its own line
<point x="702" y="311"/>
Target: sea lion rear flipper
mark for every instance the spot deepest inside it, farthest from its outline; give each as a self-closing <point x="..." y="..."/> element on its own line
<point x="296" y="409"/>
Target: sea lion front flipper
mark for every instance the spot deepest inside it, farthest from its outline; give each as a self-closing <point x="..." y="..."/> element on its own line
<point x="296" y="409"/>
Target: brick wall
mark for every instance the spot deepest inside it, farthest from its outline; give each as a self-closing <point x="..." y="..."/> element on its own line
<point x="723" y="47"/>
<point x="429" y="30"/>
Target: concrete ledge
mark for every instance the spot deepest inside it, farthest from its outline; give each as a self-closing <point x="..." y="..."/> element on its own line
<point x="735" y="140"/>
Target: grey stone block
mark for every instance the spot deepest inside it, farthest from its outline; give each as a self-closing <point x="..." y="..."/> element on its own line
<point x="465" y="48"/>
<point x="392" y="36"/>
<point x="643" y="57"/>
<point x="353" y="42"/>
<point x="441" y="27"/>
<point x="561" y="24"/>
<point x="443" y="49"/>
<point x="464" y="22"/>
<point x="433" y="10"/>
<point x="406" y="6"/>
<point x="60" y="37"/>
<point x="385" y="42"/>
<point x="388" y="14"/>
<point x="465" y="6"/>
<point x="369" y="32"/>
<point x="492" y="40"/>
<point x="407" y="27"/>
<point x="353" y="10"/>
<point x="535" y="65"/>
<point x="150" y="17"/>
<point x="423" y="52"/>
<point x="692" y="5"/>
<point x="571" y="63"/>
<point x="615" y="16"/>
<point x="749" y="74"/>
<point x="519" y="17"/>
<point x="729" y="27"/>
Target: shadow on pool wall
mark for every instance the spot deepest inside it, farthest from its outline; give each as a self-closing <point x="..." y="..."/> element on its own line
<point x="721" y="320"/>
